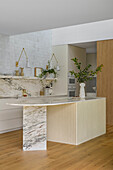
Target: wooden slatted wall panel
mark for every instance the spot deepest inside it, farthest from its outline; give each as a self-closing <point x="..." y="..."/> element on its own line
<point x="105" y="79"/>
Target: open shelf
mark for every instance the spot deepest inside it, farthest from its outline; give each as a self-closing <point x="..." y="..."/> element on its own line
<point x="26" y="78"/>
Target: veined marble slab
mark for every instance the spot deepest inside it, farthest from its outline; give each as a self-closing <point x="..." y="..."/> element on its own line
<point x="34" y="128"/>
<point x="13" y="87"/>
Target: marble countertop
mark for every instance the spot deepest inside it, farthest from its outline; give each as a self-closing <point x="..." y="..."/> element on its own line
<point x="48" y="101"/>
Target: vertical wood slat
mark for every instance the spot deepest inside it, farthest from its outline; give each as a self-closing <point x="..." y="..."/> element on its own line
<point x="61" y="123"/>
<point x="105" y="78"/>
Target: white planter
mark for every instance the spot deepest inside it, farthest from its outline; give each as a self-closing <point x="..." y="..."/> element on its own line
<point x="50" y="75"/>
<point x="82" y="90"/>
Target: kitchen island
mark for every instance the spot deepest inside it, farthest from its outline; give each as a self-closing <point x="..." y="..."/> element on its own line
<point x="61" y="119"/>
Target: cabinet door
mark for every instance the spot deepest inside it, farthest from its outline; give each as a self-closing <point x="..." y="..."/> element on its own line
<point x="105" y="78"/>
<point x="10" y="116"/>
<point x="9" y="125"/>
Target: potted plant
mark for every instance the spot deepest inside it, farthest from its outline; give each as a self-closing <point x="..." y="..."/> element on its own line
<point x="83" y="75"/>
<point x="46" y="72"/>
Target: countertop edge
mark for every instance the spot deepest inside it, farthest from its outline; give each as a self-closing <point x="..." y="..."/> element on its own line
<point x="54" y="104"/>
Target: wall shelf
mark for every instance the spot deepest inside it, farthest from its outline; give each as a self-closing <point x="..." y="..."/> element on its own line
<point x="26" y="78"/>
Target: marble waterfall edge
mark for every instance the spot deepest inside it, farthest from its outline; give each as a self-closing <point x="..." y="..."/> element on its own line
<point x="34" y="128"/>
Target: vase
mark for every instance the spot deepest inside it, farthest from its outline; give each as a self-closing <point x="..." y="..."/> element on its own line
<point x="51" y="75"/>
<point x="22" y="71"/>
<point x="16" y="72"/>
<point x="82" y="90"/>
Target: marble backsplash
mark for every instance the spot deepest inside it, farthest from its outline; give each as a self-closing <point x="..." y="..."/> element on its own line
<point x="14" y="87"/>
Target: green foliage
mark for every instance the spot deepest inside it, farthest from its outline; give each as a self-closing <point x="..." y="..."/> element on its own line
<point x="45" y="72"/>
<point x="85" y="74"/>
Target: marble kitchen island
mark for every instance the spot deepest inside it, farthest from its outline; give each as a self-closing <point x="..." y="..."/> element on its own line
<point x="61" y="119"/>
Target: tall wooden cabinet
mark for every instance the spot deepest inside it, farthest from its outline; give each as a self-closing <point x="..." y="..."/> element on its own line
<point x="105" y="78"/>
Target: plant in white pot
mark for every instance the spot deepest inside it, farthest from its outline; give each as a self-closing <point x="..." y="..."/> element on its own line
<point x="83" y="75"/>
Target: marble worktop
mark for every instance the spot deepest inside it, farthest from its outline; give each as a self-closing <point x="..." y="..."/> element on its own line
<point x="48" y="101"/>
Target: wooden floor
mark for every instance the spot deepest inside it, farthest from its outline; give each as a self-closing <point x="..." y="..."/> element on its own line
<point x="95" y="154"/>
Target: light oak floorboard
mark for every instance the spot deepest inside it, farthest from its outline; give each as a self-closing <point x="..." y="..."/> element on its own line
<point x="95" y="154"/>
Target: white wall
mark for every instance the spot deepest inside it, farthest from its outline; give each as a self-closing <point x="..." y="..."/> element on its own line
<point x="91" y="58"/>
<point x="37" y="46"/>
<point x="83" y="33"/>
<point x="60" y="86"/>
<point x="64" y="54"/>
<point x="79" y="53"/>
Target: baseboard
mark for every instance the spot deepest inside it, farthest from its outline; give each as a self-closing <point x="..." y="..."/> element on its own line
<point x="91" y="138"/>
<point x="69" y="143"/>
<point x="49" y="140"/>
<point x="10" y="130"/>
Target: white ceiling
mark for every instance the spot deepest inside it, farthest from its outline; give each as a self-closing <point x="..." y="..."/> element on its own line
<point x="91" y="47"/>
<point x="20" y="16"/>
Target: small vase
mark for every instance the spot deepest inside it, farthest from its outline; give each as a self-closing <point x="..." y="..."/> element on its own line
<point x="16" y="72"/>
<point x="22" y="72"/>
<point x="42" y="92"/>
<point x="82" y="90"/>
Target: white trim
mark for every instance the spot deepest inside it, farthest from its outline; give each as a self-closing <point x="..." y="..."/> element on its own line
<point x="94" y="31"/>
<point x="60" y="142"/>
<point x="91" y="138"/>
<point x="6" y="131"/>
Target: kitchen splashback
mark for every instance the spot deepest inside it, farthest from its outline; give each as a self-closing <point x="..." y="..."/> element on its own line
<point x="13" y="88"/>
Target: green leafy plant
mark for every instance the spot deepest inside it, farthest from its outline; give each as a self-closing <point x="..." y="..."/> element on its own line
<point x="45" y="73"/>
<point x="85" y="74"/>
<point x="49" y="71"/>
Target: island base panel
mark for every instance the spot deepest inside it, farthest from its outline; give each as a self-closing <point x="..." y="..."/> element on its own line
<point x="90" y="120"/>
<point x="76" y="123"/>
<point x="61" y="123"/>
<point x="34" y="128"/>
